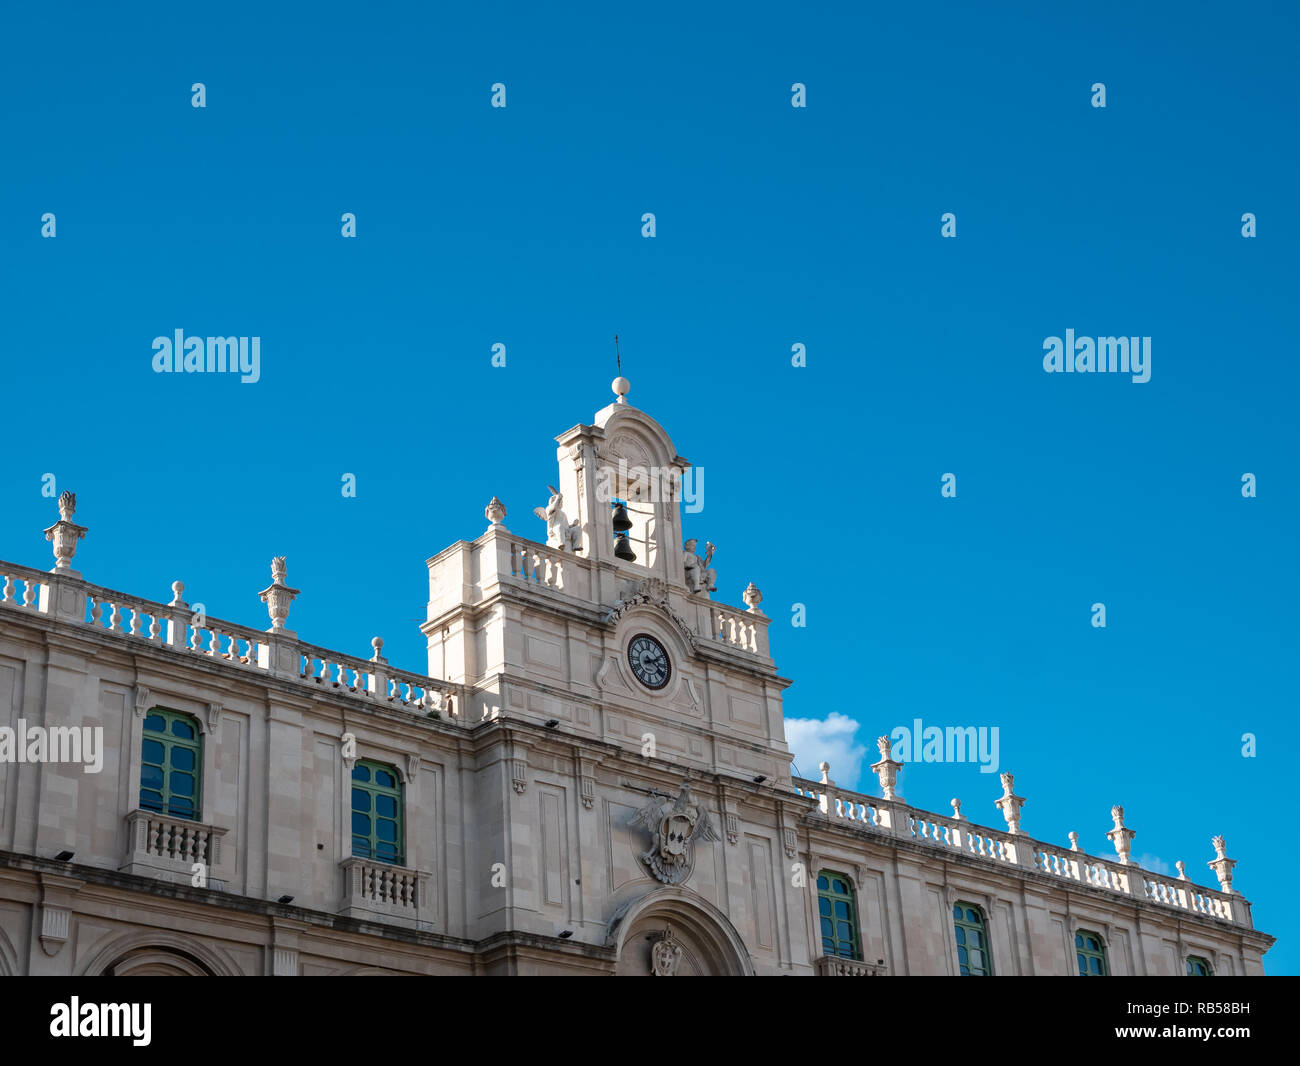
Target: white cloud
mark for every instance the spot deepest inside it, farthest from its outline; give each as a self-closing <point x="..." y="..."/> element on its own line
<point x="1155" y="864"/>
<point x="831" y="739"/>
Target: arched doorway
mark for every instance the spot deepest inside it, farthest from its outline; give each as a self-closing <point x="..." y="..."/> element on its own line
<point x="673" y="932"/>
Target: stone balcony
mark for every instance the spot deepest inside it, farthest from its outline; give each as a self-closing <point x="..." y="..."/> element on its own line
<point x="834" y="966"/>
<point x="169" y="848"/>
<point x="379" y="891"/>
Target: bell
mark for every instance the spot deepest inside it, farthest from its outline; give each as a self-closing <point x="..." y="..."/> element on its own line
<point x="621" y="521"/>
<point x="623" y="549"/>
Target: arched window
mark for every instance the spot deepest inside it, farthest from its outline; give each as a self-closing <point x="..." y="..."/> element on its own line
<point x="1090" y="951"/>
<point x="1199" y="967"/>
<point x="973" y="958"/>
<point x="377" y="830"/>
<point x="171" y="764"/>
<point x="839" y="920"/>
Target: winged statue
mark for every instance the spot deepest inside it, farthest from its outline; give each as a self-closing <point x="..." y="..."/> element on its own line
<point x="560" y="532"/>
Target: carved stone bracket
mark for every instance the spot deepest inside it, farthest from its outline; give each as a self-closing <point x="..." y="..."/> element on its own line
<point x="214" y="717"/>
<point x="57" y="894"/>
<point x="143" y="700"/>
<point x="519" y="775"/>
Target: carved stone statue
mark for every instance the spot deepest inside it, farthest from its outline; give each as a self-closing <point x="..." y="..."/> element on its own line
<point x="560" y="532"/>
<point x="675" y="825"/>
<point x="699" y="576"/>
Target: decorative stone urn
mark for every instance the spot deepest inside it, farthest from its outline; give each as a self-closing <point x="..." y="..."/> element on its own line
<point x="278" y="596"/>
<point x="65" y="533"/>
<point x="1010" y="804"/>
<point x="1222" y="865"/>
<point x="1121" y="836"/>
<point x="752" y="598"/>
<point x="887" y="770"/>
<point x="495" y="512"/>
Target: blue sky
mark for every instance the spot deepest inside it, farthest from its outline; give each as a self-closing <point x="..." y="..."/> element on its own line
<point x="775" y="226"/>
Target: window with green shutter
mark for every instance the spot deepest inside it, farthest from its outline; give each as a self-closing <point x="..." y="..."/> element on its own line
<point x="1090" y="952"/>
<point x="973" y="958"/>
<point x="377" y="829"/>
<point x="171" y="764"/>
<point x="839" y="920"/>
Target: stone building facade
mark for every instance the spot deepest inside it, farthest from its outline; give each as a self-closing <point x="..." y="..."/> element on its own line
<point x="590" y="777"/>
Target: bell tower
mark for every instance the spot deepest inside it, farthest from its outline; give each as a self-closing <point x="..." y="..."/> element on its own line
<point x="624" y="464"/>
<point x="613" y="633"/>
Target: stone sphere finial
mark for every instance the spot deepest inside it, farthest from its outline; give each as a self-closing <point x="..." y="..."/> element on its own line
<point x="1074" y="841"/>
<point x="178" y="594"/>
<point x="621" y="387"/>
<point x="956" y="809"/>
<point x="378" y="644"/>
<point x="825" y="768"/>
<point x="1181" y="867"/>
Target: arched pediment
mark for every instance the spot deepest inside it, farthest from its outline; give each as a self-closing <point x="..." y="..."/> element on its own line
<point x="633" y="435"/>
<point x="155" y="952"/>
<point x="709" y="944"/>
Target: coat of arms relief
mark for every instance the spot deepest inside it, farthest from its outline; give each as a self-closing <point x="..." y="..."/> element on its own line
<point x="675" y="824"/>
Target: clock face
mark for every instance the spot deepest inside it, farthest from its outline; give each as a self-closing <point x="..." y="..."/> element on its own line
<point x="649" y="661"/>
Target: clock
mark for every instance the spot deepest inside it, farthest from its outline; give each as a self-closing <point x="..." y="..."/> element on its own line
<point x="649" y="661"/>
